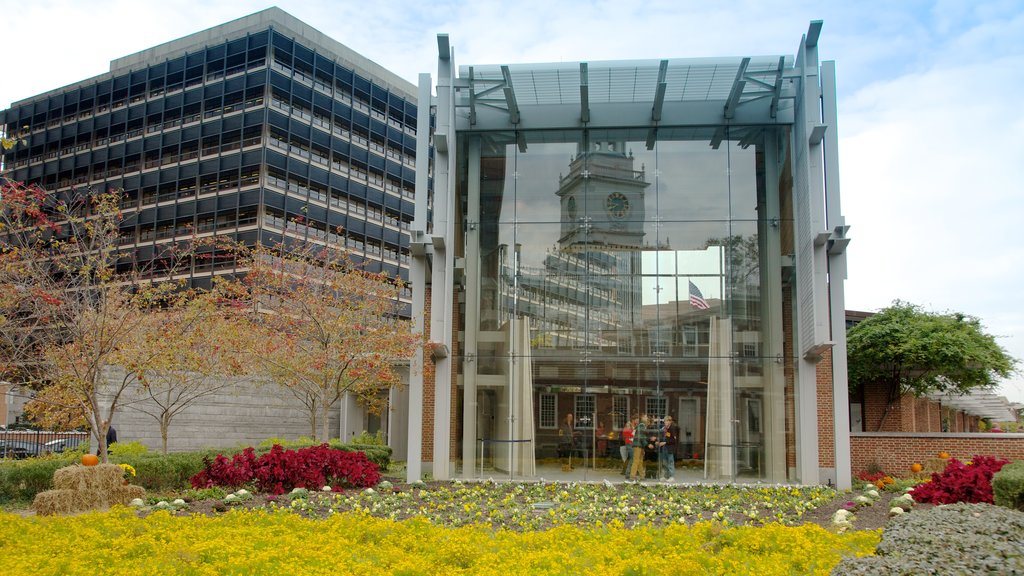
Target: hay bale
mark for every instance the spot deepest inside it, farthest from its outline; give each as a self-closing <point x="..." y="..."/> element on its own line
<point x="125" y="494"/>
<point x="68" y="501"/>
<point x="78" y="477"/>
<point x="82" y="488"/>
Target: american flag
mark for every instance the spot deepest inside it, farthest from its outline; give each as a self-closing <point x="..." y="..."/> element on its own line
<point x="696" y="298"/>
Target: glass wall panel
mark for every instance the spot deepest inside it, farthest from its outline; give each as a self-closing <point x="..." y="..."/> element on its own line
<point x="629" y="281"/>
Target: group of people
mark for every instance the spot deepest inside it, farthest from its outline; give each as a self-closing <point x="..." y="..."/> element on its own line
<point x="640" y="437"/>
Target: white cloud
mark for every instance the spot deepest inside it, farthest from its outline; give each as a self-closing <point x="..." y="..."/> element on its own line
<point x="931" y="182"/>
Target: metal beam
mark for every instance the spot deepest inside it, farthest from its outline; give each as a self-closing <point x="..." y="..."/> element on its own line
<point x="774" y="109"/>
<point x="472" y="99"/>
<point x="716" y="139"/>
<point x="510" y="96"/>
<point x="659" y="95"/>
<point x="584" y="94"/>
<point x="737" y="90"/>
<point x="813" y="31"/>
<point x="652" y="136"/>
<point x="444" y="49"/>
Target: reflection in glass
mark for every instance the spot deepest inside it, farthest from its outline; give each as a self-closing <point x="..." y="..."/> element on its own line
<point x="634" y="278"/>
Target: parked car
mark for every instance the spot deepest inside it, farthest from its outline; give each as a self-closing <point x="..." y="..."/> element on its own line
<point x="63" y="444"/>
<point x="18" y="449"/>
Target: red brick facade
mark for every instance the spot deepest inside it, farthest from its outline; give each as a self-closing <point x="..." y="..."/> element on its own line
<point x="429" y="383"/>
<point x="826" y="416"/>
<point x="789" y="372"/>
<point x="894" y="452"/>
<point x="909" y="413"/>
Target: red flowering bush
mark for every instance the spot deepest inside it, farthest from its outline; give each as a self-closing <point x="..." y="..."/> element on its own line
<point x="960" y="482"/>
<point x="226" y="473"/>
<point x="870" y="476"/>
<point x="280" y="470"/>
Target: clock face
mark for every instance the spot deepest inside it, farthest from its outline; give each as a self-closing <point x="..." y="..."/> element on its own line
<point x="570" y="207"/>
<point x="617" y="205"/>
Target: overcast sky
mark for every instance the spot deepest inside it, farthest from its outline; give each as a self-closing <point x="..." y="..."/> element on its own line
<point x="931" y="126"/>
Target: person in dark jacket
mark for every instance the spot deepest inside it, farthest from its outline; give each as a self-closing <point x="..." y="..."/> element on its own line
<point x="668" y="439"/>
<point x="111" y="438"/>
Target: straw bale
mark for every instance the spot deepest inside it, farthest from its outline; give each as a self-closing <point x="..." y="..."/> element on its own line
<point x="68" y="501"/>
<point x="125" y="494"/>
<point x="78" y="477"/>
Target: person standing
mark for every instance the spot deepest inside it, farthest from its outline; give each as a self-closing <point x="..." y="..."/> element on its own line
<point x="567" y="441"/>
<point x="668" y="439"/>
<point x="111" y="438"/>
<point x="640" y="440"/>
<point x="626" y="450"/>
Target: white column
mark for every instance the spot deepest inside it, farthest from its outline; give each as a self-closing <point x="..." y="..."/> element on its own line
<point x="418" y="280"/>
<point x="837" y="278"/>
<point x="472" y="327"/>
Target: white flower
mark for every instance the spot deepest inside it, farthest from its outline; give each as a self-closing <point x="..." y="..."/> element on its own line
<point x="862" y="500"/>
<point x="178" y="502"/>
<point x="242" y="492"/>
<point x="137" y="502"/>
<point x="326" y="489"/>
<point x="369" y="491"/>
<point x="872" y="494"/>
<point x="895" y="511"/>
<point x="231" y="498"/>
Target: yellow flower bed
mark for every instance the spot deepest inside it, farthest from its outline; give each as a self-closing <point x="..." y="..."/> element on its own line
<point x="259" y="542"/>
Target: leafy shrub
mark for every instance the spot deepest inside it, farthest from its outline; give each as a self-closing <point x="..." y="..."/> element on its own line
<point x="21" y="480"/>
<point x="238" y="471"/>
<point x="128" y="449"/>
<point x="959" y="482"/>
<point x="955" y="539"/>
<point x="369" y="439"/>
<point x="280" y="470"/>
<point x="161" y="472"/>
<point x="1008" y="486"/>
<point x="379" y="454"/>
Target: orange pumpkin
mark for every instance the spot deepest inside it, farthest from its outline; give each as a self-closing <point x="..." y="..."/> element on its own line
<point x="915" y="467"/>
<point x="90" y="460"/>
<point x="944" y="455"/>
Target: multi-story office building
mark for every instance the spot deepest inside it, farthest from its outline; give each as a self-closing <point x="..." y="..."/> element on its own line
<point x="257" y="128"/>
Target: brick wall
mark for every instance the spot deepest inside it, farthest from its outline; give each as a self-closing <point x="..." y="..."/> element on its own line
<point x="894" y="452"/>
<point x="427" y="431"/>
<point x="826" y="417"/>
<point x="789" y="373"/>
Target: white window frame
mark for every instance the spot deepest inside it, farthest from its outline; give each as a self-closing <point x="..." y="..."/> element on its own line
<point x="578" y="410"/>
<point x="553" y="422"/>
<point x="620" y="416"/>
<point x="690" y="340"/>
<point x="651" y="408"/>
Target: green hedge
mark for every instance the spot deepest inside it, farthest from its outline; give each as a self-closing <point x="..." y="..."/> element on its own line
<point x="21" y="480"/>
<point x="1008" y="486"/>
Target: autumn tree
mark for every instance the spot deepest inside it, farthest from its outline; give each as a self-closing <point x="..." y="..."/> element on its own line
<point x="916" y="352"/>
<point x="182" y="354"/>
<point x="325" y="327"/>
<point x="65" y="311"/>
